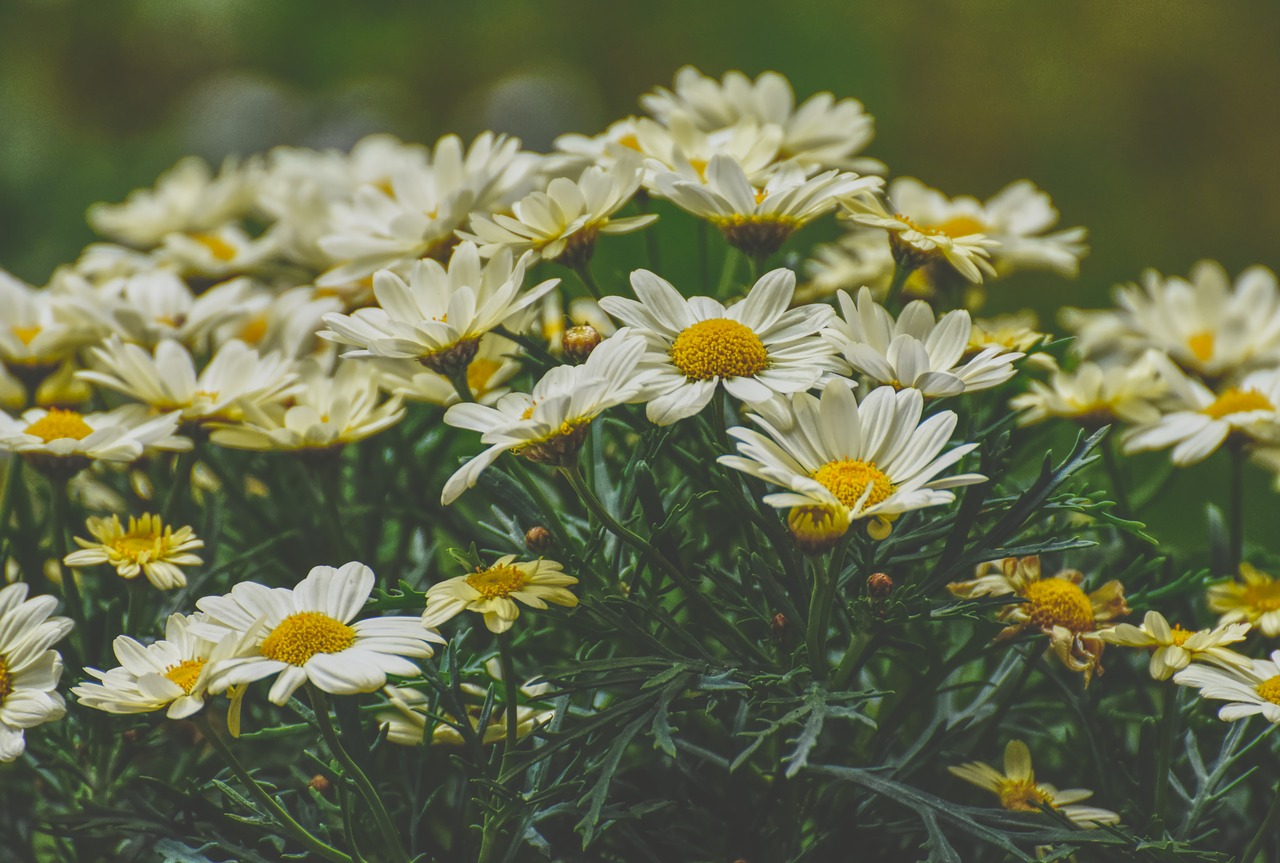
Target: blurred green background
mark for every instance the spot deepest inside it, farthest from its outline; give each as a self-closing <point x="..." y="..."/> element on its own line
<point x="1155" y="123"/>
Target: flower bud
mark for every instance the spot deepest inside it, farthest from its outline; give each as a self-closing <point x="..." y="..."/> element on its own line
<point x="580" y="341"/>
<point x="321" y="784"/>
<point x="879" y="585"/>
<point x="539" y="540"/>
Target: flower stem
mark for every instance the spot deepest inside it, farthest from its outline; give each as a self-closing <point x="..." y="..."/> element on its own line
<point x="58" y="550"/>
<point x="900" y="276"/>
<point x="462" y="386"/>
<point x="12" y="477"/>
<point x="728" y="271"/>
<point x="1265" y="830"/>
<point x="493" y="820"/>
<point x="180" y="481"/>
<point x="1236" y="550"/>
<point x="265" y="800"/>
<point x="1117" y="478"/>
<point x="1164" y="746"/>
<point x="320" y="703"/>
<point x="588" y="279"/>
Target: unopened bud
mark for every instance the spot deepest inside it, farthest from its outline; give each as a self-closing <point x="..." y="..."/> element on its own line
<point x="321" y="784"/>
<point x="580" y="341"/>
<point x="779" y="624"/>
<point x="879" y="585"/>
<point x="539" y="539"/>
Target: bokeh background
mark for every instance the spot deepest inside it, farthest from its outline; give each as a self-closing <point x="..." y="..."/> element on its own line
<point x="1155" y="123"/>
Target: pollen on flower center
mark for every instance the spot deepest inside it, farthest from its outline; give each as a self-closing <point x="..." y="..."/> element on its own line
<point x="26" y="335"/>
<point x="218" y="247"/>
<point x="1263" y="597"/>
<point x="848" y="479"/>
<point x="1059" y="602"/>
<point x="496" y="581"/>
<point x="301" y="636"/>
<point x="1201" y="344"/>
<point x="1022" y="795"/>
<point x="1180" y="635"/>
<point x="1270" y="689"/>
<point x="185" y="673"/>
<point x="1234" y="401"/>
<point x="959" y="226"/>
<point x="718" y="347"/>
<point x="6" y="681"/>
<point x="140" y="546"/>
<point x="58" y="424"/>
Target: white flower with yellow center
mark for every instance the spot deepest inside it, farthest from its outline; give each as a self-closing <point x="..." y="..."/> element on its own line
<point x="1251" y="688"/>
<point x="1019" y="791"/>
<point x="328" y="411"/>
<point x="59" y="439"/>
<point x="1094" y="396"/>
<point x="222" y="252"/>
<point x="855" y="259"/>
<point x="236" y="377"/>
<point x="1254" y="599"/>
<point x="1197" y="420"/>
<point x="1056" y="606"/>
<point x="145" y="547"/>
<point x="683" y="148"/>
<point x="438" y="315"/>
<point x="1174" y="648"/>
<point x="494" y="590"/>
<point x="29" y="669"/>
<point x="1015" y="332"/>
<point x="171" y="674"/>
<point x="562" y="223"/>
<point x="306" y="634"/>
<point x="187" y="198"/>
<point x="820" y="133"/>
<point x="755" y="349"/>
<point x="37" y="333"/>
<point x="488" y="373"/>
<point x="283" y="323"/>
<point x="148" y="307"/>
<point x="759" y="219"/>
<point x="415" y="213"/>
<point x="916" y="350"/>
<point x="915" y="243"/>
<point x="874" y="460"/>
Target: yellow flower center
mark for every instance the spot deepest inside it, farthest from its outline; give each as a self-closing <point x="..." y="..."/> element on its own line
<point x="1059" y="602"/>
<point x="1270" y="689"/>
<point x="959" y="226"/>
<point x="1180" y="635"/>
<point x="630" y="141"/>
<point x="301" y="636"/>
<point x="699" y="165"/>
<point x="185" y="673"/>
<point x="1022" y="795"/>
<point x="479" y="372"/>
<point x="6" y="681"/>
<point x="58" y="424"/>
<point x="139" y="547"/>
<point x="718" y="347"/>
<point x="849" y="478"/>
<point x="1263" y="597"/>
<point x="496" y="581"/>
<point x="27" y="335"/>
<point x="1234" y="401"/>
<point x="1201" y="344"/>
<point x="253" y="330"/>
<point x="218" y="247"/>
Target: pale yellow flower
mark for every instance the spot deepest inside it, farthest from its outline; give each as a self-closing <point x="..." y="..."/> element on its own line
<point x="146" y="547"/>
<point x="1254" y="600"/>
<point x="1019" y="792"/>
<point x="493" y="591"/>
<point x="1175" y="647"/>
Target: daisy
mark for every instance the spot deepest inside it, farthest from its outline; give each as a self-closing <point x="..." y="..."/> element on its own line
<point x="855" y="259"/>
<point x="37" y="334"/>
<point x="755" y="349"/>
<point x="1174" y="647"/>
<point x="64" y="442"/>
<point x="438" y="315"/>
<point x="549" y="424"/>
<point x="1197" y="420"/>
<point x="1056" y="606"/>
<point x="147" y="547"/>
<point x="305" y="634"/>
<point x="328" y="411"/>
<point x="166" y="380"/>
<point x="1254" y="600"/>
<point x="171" y="674"/>
<point x="1251" y="688"/>
<point x="562" y="223"/>
<point x="874" y="460"/>
<point x="494" y="365"/>
<point x="493" y="591"/>
<point x="915" y="244"/>
<point x="916" y="350"/>
<point x="1019" y="792"/>
<point x="219" y="253"/>
<point x="759" y="219"/>
<point x="1094" y="396"/>
<point x="284" y="323"/>
<point x="29" y="669"/>
<point x="681" y="147"/>
<point x="1013" y="332"/>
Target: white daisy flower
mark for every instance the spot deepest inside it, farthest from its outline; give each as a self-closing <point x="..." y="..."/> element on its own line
<point x="549" y="424"/>
<point x="1251" y="689"/>
<point x="914" y="243"/>
<point x="64" y="441"/>
<point x="29" y="669"/>
<point x="171" y="674"/>
<point x="562" y="223"/>
<point x="1019" y="791"/>
<point x="219" y="253"/>
<point x="1093" y="395"/>
<point x="165" y="381"/>
<point x="758" y="220"/>
<point x="1254" y="600"/>
<point x="146" y="547"/>
<point x="285" y="323"/>
<point x="488" y="373"/>
<point x="855" y="259"/>
<point x="687" y="150"/>
<point x="494" y="590"/>
<point x="874" y="460"/>
<point x="38" y="332"/>
<point x="756" y="348"/>
<point x="1174" y="647"/>
<point x="1197" y="420"/>
<point x="306" y="634"/>
<point x="438" y="315"/>
<point x="916" y="350"/>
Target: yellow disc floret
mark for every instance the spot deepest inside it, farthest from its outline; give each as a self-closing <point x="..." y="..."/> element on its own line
<point x="496" y="581"/>
<point x="1202" y="344"/>
<point x="958" y="226"/>
<point x="721" y="348"/>
<point x="1263" y="597"/>
<point x="58" y="424"/>
<point x="1022" y="795"/>
<point x="849" y="478"/>
<point x="185" y="673"/>
<point x="1234" y="401"/>
<point x="1180" y="635"/>
<point x="301" y="636"/>
<point x="6" y="681"/>
<point x="1270" y="689"/>
<point x="1059" y="602"/>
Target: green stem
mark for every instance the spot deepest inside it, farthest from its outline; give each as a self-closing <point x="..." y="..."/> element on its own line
<point x="1117" y="478"/>
<point x="1164" y="746"/>
<point x="12" y="476"/>
<point x="180" y="481"/>
<point x="58" y="550"/>
<point x="900" y="276"/>
<point x="821" y="601"/>
<point x="854" y="660"/>
<point x="728" y="271"/>
<point x="1236" y="549"/>
<point x="320" y="703"/>
<point x="461" y="386"/>
<point x="265" y="800"/>
<point x="1265" y="830"/>
<point x="588" y="279"/>
<point x="493" y="820"/>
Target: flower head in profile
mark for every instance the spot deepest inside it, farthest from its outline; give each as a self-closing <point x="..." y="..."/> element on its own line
<point x="1251" y="687"/>
<point x="1093" y="396"/>
<point x="309" y="634"/>
<point x="1019" y="791"/>
<point x="494" y="590"/>
<point x="1174" y="648"/>
<point x="64" y="442"/>
<point x="1056" y="606"/>
<point x="496" y="362"/>
<point x="29" y="667"/>
<point x="914" y="244"/>
<point x="875" y="460"/>
<point x="1254" y="599"/>
<point x="146" y="546"/>
<point x="755" y="349"/>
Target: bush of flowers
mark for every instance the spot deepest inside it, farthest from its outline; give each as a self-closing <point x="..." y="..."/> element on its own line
<point x="469" y="503"/>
